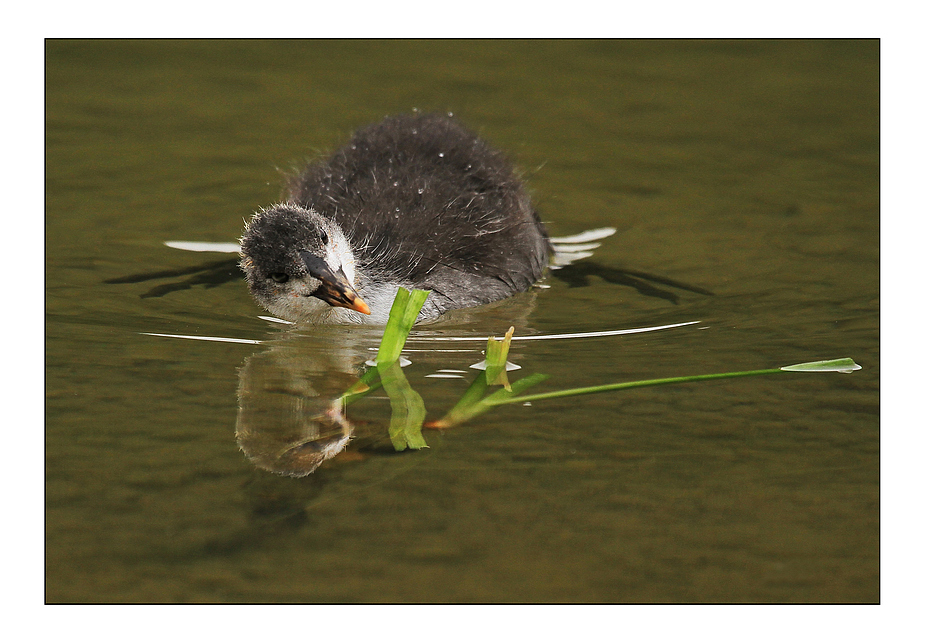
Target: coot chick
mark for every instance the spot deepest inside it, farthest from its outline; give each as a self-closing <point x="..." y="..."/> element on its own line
<point x="416" y="201"/>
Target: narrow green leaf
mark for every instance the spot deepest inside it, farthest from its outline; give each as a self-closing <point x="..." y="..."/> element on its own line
<point x="845" y="365"/>
<point x="404" y="312"/>
<point x="496" y="360"/>
<point x="626" y="385"/>
<point x="472" y="404"/>
<point x="460" y="410"/>
<point x="393" y="338"/>
<point x="367" y="383"/>
<point x="517" y="388"/>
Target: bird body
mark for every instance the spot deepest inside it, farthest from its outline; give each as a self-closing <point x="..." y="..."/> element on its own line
<point x="416" y="201"/>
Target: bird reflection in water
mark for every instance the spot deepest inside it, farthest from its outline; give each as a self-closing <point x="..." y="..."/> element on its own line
<point x="290" y="419"/>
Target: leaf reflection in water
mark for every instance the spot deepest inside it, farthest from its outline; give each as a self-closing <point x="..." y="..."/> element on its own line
<point x="291" y="401"/>
<point x="307" y="428"/>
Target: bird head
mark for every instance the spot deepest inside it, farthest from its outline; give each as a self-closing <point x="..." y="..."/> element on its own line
<point x="298" y="263"/>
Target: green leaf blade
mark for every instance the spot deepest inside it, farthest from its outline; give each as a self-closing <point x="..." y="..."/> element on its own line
<point x="496" y="360"/>
<point x="404" y="312"/>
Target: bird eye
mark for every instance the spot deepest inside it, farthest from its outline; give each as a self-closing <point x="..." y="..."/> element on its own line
<point x="324" y="238"/>
<point x="279" y="277"/>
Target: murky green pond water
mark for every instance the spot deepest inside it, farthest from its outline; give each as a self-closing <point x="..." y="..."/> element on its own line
<point x="750" y="169"/>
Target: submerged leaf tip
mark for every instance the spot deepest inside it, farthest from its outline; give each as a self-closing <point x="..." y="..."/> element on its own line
<point x="842" y="365"/>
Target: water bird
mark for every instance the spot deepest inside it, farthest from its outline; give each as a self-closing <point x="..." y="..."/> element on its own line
<point x="416" y="200"/>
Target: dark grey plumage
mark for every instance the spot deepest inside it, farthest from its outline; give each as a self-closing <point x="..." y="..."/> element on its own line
<point x="422" y="202"/>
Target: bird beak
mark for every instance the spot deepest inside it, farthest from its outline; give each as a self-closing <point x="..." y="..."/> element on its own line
<point x="335" y="288"/>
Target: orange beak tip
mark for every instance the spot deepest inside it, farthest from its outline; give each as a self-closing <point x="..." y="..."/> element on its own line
<point x="360" y="306"/>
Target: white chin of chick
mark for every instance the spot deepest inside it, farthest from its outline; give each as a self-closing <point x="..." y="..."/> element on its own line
<point x="307" y="309"/>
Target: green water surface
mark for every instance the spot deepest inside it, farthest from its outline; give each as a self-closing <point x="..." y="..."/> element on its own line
<point x="749" y="169"/>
